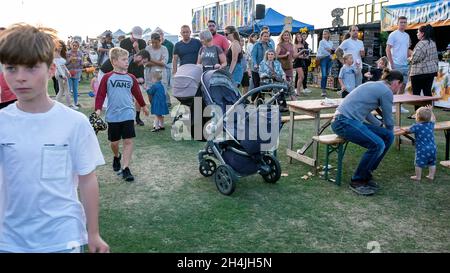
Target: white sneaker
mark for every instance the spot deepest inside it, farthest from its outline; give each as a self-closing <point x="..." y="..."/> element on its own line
<point x="404" y="110"/>
<point x="74" y="107"/>
<point x="307" y="91"/>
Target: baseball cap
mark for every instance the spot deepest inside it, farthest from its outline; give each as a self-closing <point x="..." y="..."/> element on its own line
<point x="137" y="32"/>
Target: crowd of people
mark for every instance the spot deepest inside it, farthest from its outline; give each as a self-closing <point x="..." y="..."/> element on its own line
<point x="137" y="67"/>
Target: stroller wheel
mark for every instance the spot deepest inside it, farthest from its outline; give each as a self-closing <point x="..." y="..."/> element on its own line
<point x="275" y="169"/>
<point x="207" y="167"/>
<point x="225" y="179"/>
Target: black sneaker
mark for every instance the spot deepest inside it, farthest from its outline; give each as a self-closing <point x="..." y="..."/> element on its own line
<point x="374" y="185"/>
<point x="140" y="122"/>
<point x="116" y="163"/>
<point x="362" y="189"/>
<point x="127" y="176"/>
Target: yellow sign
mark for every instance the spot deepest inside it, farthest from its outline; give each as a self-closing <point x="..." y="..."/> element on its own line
<point x="364" y="14"/>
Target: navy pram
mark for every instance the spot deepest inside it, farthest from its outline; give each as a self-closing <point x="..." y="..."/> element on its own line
<point x="241" y="138"/>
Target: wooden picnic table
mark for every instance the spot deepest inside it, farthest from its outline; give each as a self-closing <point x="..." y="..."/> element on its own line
<point x="313" y="108"/>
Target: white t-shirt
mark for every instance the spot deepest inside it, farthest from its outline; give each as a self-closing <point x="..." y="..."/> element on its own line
<point x="162" y="55"/>
<point x="42" y="156"/>
<point x="353" y="47"/>
<point x="61" y="68"/>
<point x="400" y="42"/>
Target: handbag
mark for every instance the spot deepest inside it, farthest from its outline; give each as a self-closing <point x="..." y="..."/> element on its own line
<point x="286" y="63"/>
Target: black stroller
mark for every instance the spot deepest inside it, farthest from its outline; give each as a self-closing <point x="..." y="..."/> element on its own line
<point x="234" y="133"/>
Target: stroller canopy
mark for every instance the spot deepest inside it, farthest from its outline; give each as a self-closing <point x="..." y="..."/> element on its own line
<point x="187" y="80"/>
<point x="219" y="89"/>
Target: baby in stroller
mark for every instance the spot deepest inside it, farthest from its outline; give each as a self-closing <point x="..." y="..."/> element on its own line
<point x="271" y="71"/>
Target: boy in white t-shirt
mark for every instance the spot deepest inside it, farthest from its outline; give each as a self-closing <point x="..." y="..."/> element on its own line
<point x="47" y="152"/>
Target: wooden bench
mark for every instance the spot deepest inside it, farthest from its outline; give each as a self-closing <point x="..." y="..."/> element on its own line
<point x="334" y="144"/>
<point x="338" y="145"/>
<point x="286" y="119"/>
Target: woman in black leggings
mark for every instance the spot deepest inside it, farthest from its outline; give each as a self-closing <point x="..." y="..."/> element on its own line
<point x="424" y="62"/>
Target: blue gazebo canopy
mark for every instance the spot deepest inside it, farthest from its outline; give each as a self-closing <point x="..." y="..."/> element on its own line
<point x="275" y="21"/>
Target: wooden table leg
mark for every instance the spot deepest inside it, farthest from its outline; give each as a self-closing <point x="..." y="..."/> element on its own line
<point x="398" y="122"/>
<point x="316" y="144"/>
<point x="291" y="134"/>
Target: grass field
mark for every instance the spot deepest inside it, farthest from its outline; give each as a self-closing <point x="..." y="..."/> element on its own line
<point x="172" y="208"/>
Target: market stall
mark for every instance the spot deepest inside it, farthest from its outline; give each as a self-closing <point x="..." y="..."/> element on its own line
<point x="419" y="13"/>
<point x="368" y="33"/>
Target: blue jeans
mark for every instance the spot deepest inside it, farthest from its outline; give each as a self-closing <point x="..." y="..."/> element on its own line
<point x="73" y="85"/>
<point x="404" y="69"/>
<point x="325" y="67"/>
<point x="377" y="141"/>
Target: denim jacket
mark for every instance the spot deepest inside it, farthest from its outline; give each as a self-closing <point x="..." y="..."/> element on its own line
<point x="266" y="72"/>
<point x="258" y="52"/>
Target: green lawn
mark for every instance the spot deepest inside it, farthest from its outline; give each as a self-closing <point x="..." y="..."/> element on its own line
<point x="172" y="208"/>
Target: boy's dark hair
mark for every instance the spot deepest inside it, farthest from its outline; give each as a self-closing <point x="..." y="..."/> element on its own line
<point x="402" y="18"/>
<point x="144" y="54"/>
<point x="155" y="36"/>
<point x="212" y="21"/>
<point x="22" y="44"/>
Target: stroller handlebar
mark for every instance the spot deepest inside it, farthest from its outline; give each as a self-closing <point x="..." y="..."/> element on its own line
<point x="266" y="87"/>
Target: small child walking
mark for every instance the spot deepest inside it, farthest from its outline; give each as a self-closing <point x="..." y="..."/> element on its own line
<point x="347" y="76"/>
<point x="425" y="144"/>
<point x="157" y="97"/>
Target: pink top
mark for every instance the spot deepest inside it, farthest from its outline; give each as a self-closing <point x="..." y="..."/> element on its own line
<point x="221" y="41"/>
<point x="6" y="95"/>
<point x="94" y="85"/>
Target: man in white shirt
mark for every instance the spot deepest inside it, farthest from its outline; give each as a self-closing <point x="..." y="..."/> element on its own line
<point x="355" y="47"/>
<point x="397" y="51"/>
